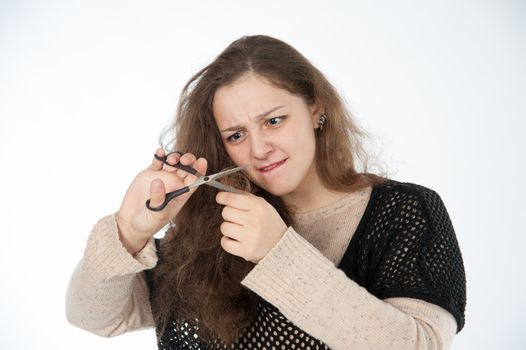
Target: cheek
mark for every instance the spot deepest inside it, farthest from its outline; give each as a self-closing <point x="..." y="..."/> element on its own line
<point x="303" y="138"/>
<point x="237" y="154"/>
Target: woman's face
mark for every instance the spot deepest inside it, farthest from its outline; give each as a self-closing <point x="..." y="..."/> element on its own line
<point x="270" y="129"/>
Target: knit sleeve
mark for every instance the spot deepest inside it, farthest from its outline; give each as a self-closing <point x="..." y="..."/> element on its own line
<point x="408" y="290"/>
<point x="107" y="293"/>
<point x="321" y="300"/>
<point x="412" y="251"/>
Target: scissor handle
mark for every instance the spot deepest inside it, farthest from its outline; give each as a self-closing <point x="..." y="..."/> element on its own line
<point x="169" y="197"/>
<point x="186" y="168"/>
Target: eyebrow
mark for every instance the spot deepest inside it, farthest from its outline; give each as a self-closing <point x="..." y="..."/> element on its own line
<point x="257" y="118"/>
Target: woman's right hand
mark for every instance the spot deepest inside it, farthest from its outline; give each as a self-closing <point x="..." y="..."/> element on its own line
<point x="135" y="221"/>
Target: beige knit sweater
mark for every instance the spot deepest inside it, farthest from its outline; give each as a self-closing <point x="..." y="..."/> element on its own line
<point x="108" y="295"/>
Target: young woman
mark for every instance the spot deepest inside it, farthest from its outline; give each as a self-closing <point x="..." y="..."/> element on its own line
<point x="309" y="253"/>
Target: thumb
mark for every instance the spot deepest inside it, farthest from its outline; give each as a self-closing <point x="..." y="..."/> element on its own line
<point x="157" y="193"/>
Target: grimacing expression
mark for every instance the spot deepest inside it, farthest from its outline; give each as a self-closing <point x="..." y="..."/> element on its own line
<point x="271" y="129"/>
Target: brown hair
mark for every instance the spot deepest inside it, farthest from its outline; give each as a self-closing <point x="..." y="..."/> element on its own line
<point x="196" y="278"/>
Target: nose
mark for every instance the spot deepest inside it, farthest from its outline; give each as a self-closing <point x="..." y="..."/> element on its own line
<point x="260" y="145"/>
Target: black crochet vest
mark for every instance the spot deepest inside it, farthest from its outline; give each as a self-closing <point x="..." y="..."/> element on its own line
<point x="404" y="246"/>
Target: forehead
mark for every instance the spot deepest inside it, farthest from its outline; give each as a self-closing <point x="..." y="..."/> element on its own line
<point x="249" y="96"/>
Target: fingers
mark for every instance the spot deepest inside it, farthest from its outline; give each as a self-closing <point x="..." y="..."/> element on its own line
<point x="200" y="165"/>
<point x="156" y="163"/>
<point x="232" y="231"/>
<point x="173" y="158"/>
<point x="157" y="193"/>
<point x="231" y="246"/>
<point x="241" y="201"/>
<point x="234" y="215"/>
<point x="187" y="159"/>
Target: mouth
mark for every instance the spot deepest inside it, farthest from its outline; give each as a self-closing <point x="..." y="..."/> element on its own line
<point x="271" y="166"/>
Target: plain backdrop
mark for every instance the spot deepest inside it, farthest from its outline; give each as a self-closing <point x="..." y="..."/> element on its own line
<point x="87" y="86"/>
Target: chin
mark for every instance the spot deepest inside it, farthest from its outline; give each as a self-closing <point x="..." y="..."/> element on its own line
<point x="278" y="191"/>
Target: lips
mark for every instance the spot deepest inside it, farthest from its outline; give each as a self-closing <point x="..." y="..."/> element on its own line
<point x="271" y="166"/>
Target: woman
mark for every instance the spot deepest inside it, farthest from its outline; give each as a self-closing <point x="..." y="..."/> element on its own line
<point x="310" y="254"/>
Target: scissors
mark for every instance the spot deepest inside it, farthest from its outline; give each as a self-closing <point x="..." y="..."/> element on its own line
<point x="202" y="179"/>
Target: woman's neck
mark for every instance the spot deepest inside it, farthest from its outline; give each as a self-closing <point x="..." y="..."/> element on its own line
<point x="311" y="196"/>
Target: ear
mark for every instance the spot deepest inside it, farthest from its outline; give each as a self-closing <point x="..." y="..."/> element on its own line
<point x="316" y="109"/>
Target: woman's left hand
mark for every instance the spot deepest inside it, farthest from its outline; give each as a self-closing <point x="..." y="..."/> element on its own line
<point x="252" y="226"/>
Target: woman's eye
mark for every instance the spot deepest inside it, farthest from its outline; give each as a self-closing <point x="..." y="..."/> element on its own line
<point x="234" y="137"/>
<point x="275" y="120"/>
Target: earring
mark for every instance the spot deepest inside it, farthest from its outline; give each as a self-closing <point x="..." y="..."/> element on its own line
<point x="321" y="123"/>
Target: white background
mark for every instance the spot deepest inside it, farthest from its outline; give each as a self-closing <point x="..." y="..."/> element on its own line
<point x="86" y="87"/>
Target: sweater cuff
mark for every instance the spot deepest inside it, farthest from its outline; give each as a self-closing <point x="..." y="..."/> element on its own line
<point x="108" y="258"/>
<point x="292" y="276"/>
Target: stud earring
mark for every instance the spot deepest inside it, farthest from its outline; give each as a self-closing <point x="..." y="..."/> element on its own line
<point x="321" y="123"/>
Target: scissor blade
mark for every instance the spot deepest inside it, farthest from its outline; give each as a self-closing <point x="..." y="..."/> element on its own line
<point x="227" y="172"/>
<point x="223" y="187"/>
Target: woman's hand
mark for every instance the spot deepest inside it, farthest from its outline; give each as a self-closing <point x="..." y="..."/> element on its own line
<point x="136" y="222"/>
<point x="252" y="227"/>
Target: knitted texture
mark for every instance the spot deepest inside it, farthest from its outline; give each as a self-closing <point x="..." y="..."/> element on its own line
<point x="404" y="246"/>
<point x="270" y="330"/>
<point x="107" y="292"/>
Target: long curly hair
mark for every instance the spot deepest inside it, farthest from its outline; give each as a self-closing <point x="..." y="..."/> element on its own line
<point x="195" y="278"/>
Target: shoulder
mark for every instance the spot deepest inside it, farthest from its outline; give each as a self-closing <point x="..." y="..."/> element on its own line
<point x="401" y="214"/>
<point x="402" y="209"/>
<point x="393" y="186"/>
<point x="407" y="247"/>
<point x="396" y="210"/>
<point x="395" y="194"/>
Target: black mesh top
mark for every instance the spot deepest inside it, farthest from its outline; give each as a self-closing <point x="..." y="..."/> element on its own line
<point x="404" y="246"/>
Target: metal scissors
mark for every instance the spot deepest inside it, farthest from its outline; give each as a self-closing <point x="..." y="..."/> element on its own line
<point x="202" y="179"/>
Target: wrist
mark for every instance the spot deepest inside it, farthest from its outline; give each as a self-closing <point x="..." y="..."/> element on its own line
<point x="132" y="242"/>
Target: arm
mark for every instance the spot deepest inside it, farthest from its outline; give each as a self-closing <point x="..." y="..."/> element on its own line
<point x="107" y="293"/>
<point x="410" y="262"/>
<point x="312" y="293"/>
